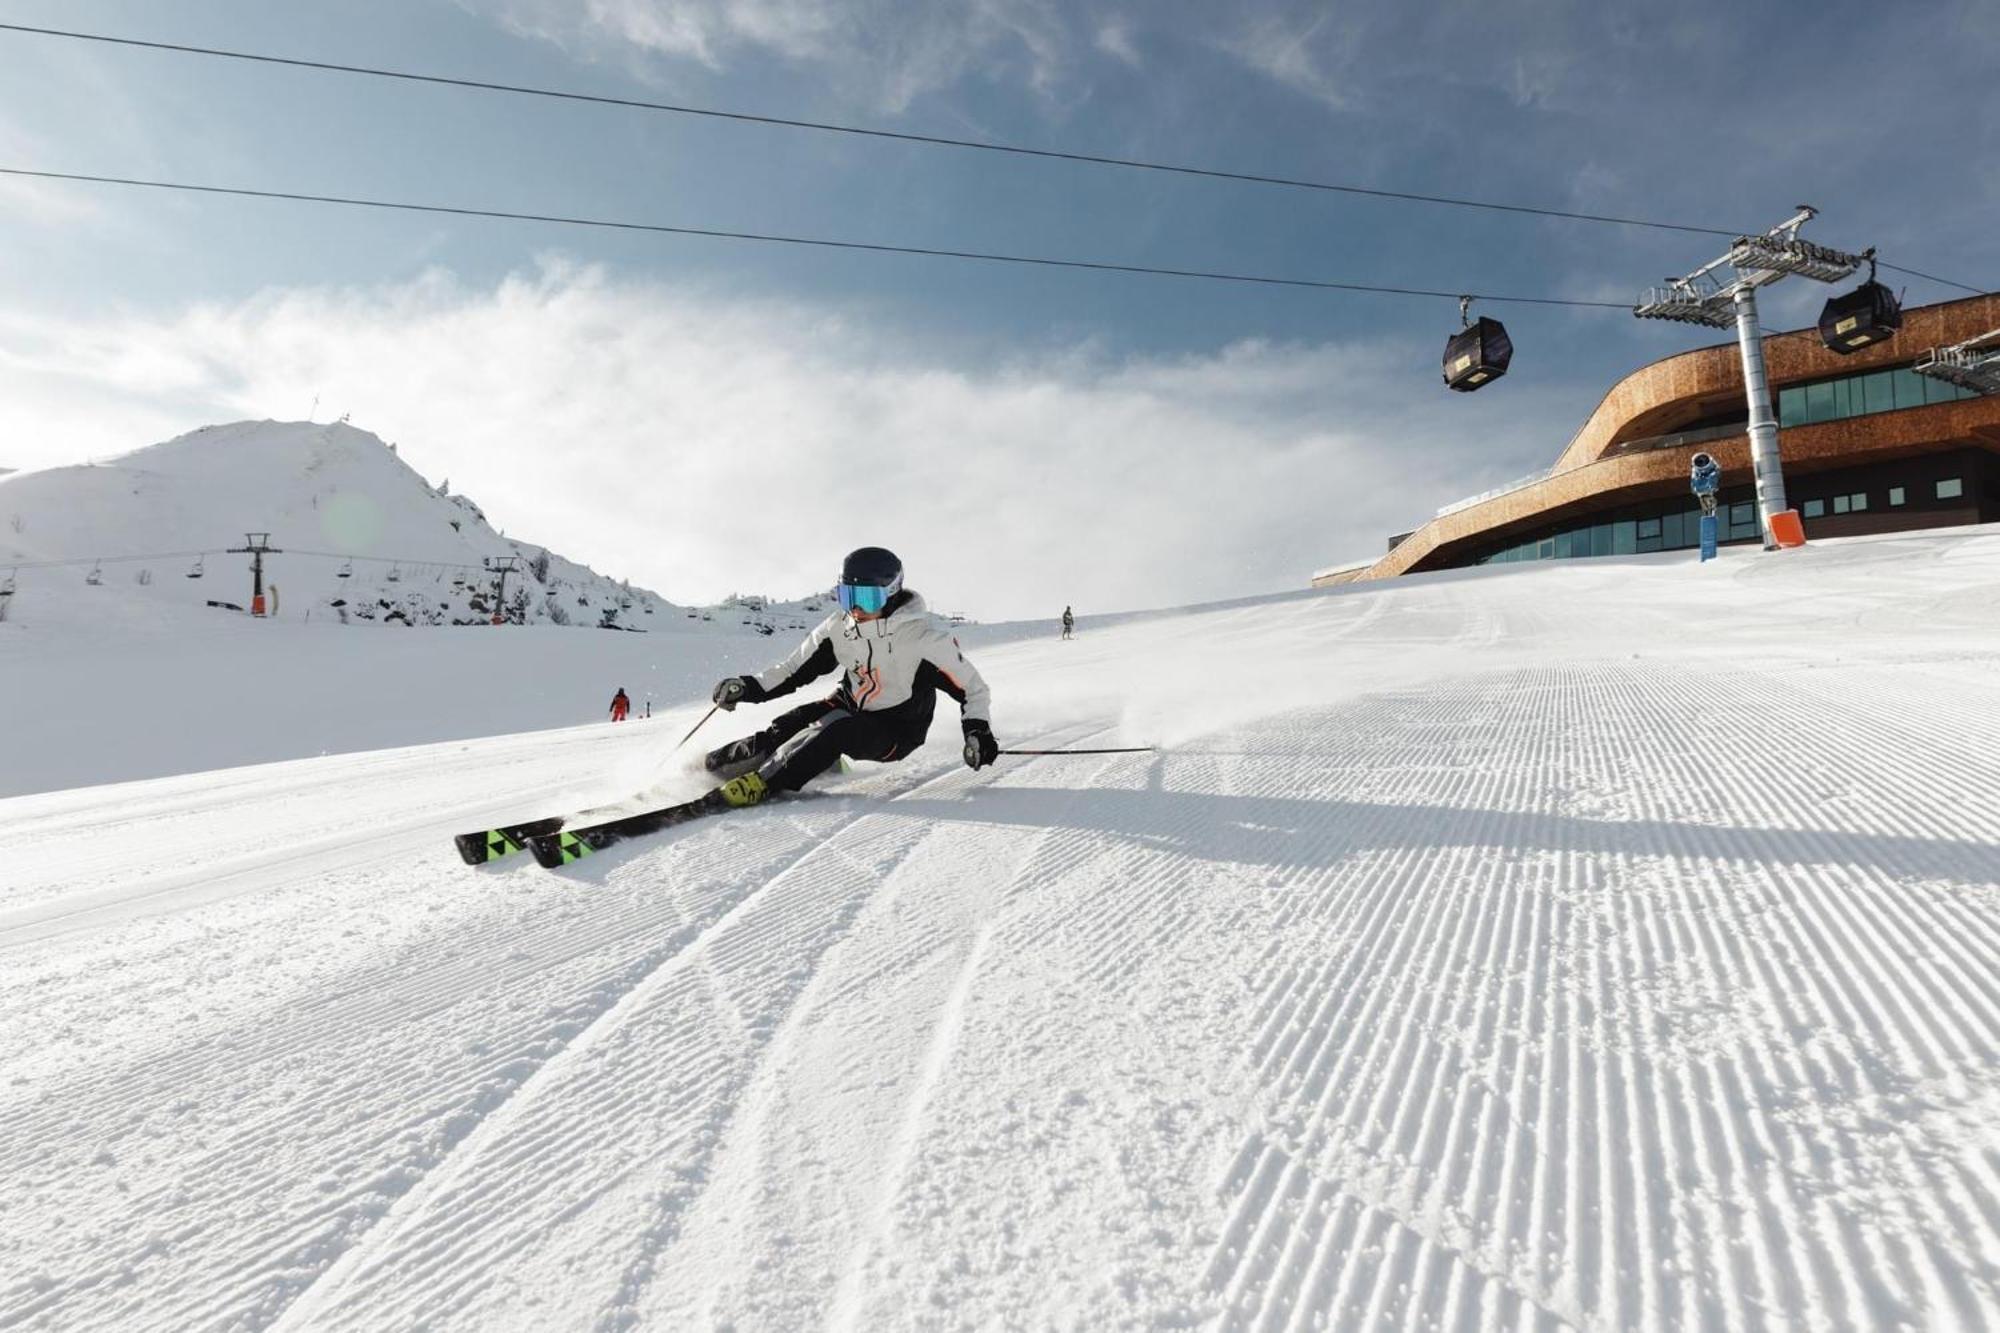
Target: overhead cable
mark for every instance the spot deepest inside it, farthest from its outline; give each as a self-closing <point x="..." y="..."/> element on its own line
<point x="771" y="238"/>
<point x="905" y="136"/>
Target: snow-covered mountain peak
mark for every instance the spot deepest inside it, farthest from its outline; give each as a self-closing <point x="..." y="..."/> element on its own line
<point x="360" y="533"/>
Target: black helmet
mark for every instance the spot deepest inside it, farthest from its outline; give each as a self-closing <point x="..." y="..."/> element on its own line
<point x="869" y="577"/>
<point x="871" y="566"/>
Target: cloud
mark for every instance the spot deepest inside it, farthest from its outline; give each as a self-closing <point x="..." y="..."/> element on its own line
<point x="885" y="53"/>
<point x="703" y="446"/>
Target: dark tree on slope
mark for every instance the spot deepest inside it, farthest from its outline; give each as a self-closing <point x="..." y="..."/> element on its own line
<point x="539" y="566"/>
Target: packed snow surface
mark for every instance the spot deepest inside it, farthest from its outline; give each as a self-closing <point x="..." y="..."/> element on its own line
<point x="1604" y="945"/>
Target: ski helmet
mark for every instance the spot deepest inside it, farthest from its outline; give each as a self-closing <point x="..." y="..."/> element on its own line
<point x="869" y="577"/>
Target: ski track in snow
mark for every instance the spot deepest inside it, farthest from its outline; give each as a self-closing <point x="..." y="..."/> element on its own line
<point x="1485" y="976"/>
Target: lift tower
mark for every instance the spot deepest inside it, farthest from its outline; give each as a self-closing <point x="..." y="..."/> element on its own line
<point x="1703" y="298"/>
<point x="256" y="545"/>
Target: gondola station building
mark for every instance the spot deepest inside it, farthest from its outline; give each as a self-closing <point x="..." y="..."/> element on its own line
<point x="1868" y="444"/>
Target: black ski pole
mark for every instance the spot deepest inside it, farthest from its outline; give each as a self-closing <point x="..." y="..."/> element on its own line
<point x="1123" y="749"/>
<point x="696" y="727"/>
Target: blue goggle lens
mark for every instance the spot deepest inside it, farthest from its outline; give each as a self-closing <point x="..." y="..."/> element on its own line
<point x="863" y="597"/>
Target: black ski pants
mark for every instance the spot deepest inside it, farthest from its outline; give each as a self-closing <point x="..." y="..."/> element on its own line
<point x="810" y="739"/>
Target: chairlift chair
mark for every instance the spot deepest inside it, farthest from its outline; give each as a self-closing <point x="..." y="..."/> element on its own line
<point x="96" y="574"/>
<point x="395" y="573"/>
<point x="1862" y="317"/>
<point x="196" y="571"/>
<point x="7" y="584"/>
<point x="346" y="571"/>
<point x="1478" y="353"/>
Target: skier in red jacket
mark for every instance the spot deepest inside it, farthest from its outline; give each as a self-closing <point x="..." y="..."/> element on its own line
<point x="620" y="705"/>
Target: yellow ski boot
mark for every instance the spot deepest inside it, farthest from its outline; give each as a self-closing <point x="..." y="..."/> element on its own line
<point x="746" y="790"/>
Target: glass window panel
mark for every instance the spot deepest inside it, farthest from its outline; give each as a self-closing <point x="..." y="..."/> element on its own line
<point x="1839" y="504"/>
<point x="1647" y="545"/>
<point x="1545" y="548"/>
<point x="1791" y="407"/>
<point x="1601" y="539"/>
<point x="1819" y="402"/>
<point x="1649" y="527"/>
<point x="1938" y="391"/>
<point x="1896" y="496"/>
<point x="1909" y="388"/>
<point x="1742" y="514"/>
<point x="1815" y="509"/>
<point x="1859" y="501"/>
<point x="1843" y="405"/>
<point x="1951" y="488"/>
<point x="1878" y="392"/>
<point x="1624" y="537"/>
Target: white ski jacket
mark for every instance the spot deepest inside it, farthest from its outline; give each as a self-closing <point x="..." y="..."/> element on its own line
<point x="885" y="663"/>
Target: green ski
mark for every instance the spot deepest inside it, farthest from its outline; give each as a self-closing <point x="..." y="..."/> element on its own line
<point x="494" y="843"/>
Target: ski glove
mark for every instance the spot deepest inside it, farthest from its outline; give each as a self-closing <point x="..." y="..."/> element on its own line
<point x="734" y="690"/>
<point x="980" y="747"/>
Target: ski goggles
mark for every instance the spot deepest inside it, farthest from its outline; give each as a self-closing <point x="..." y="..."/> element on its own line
<point x="867" y="598"/>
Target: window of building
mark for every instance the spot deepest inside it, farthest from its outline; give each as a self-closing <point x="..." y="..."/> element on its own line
<point x="1839" y="504"/>
<point x="1896" y="496"/>
<point x="1878" y="394"/>
<point x="1909" y="388"/>
<point x="1858" y="501"/>
<point x="1857" y="395"/>
<point x="1951" y="488"/>
<point x="1815" y="509"/>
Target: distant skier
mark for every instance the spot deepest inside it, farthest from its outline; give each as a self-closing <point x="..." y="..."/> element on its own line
<point x="1069" y="622"/>
<point x="894" y="656"/>
<point x="620" y="705"/>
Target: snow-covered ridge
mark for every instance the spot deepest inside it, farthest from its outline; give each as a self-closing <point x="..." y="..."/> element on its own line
<point x="363" y="535"/>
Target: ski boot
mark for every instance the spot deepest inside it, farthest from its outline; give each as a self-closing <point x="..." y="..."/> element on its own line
<point x="738" y="757"/>
<point x="747" y="789"/>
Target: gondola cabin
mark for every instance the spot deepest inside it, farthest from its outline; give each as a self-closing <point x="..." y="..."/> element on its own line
<point x="1477" y="355"/>
<point x="1862" y="318"/>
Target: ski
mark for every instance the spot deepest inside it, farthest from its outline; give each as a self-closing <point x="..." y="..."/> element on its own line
<point x="555" y="849"/>
<point x="491" y="844"/>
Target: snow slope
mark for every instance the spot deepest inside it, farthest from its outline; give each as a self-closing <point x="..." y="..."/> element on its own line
<point x="1603" y="945"/>
<point x="136" y="675"/>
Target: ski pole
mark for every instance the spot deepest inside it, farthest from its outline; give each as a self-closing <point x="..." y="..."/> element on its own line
<point x="1124" y="749"/>
<point x="696" y="727"/>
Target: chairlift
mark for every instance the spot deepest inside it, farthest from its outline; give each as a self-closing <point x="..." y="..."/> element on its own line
<point x="1862" y="317"/>
<point x="195" y="571"/>
<point x="395" y="573"/>
<point x="96" y="574"/>
<point x="1478" y="353"/>
<point x="7" y="584"/>
<point x="346" y="571"/>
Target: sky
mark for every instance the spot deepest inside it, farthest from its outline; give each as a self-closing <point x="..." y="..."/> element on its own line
<point x="708" y="416"/>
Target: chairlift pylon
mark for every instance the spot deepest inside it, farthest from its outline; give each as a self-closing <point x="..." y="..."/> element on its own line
<point x="1861" y="318"/>
<point x="1478" y="353"/>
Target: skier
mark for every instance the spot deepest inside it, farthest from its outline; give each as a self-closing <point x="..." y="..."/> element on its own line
<point x="893" y="655"/>
<point x="1069" y="622"/>
<point x="620" y="705"/>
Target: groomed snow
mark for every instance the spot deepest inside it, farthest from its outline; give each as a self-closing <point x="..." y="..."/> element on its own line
<point x="1602" y="945"/>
